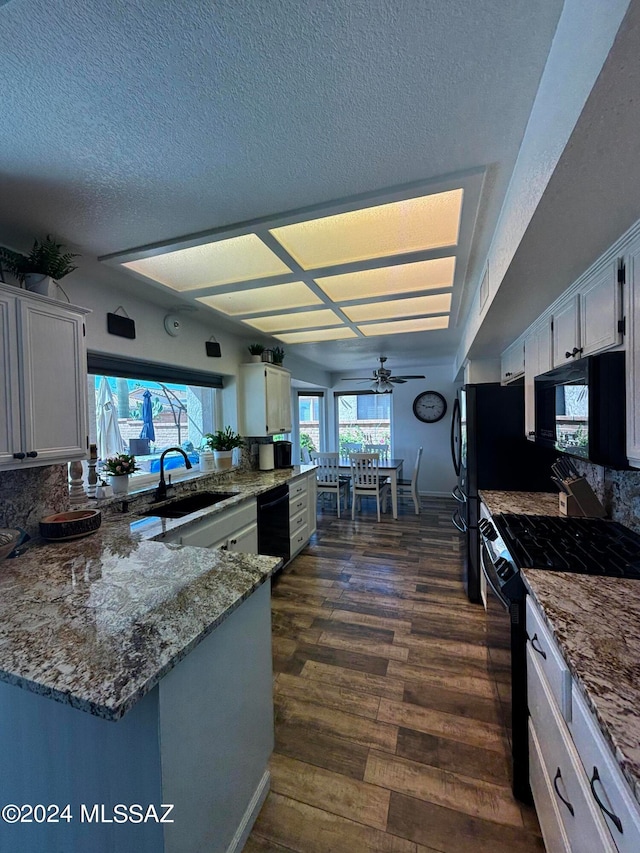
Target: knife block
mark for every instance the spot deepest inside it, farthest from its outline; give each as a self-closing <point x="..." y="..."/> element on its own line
<point x="568" y="505"/>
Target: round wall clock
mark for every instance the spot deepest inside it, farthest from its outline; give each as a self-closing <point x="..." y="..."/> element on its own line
<point x="429" y="407"/>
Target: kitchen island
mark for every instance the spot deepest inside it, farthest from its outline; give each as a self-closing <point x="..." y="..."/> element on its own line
<point x="158" y="657"/>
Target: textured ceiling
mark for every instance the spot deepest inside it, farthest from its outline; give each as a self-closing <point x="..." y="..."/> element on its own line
<point x="130" y="124"/>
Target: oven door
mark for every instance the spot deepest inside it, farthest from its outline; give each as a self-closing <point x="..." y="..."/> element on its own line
<point x="506" y="654"/>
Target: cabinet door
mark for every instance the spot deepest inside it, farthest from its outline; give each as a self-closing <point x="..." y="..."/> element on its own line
<point x="512" y="362"/>
<point x="600" y="310"/>
<point x="245" y="541"/>
<point x="54" y="382"/>
<point x="285" y="401"/>
<point x="278" y="400"/>
<point x="10" y="439"/>
<point x="312" y="500"/>
<point x="633" y="356"/>
<point x="566" y="332"/>
<point x="530" y="367"/>
<point x="544" y="348"/>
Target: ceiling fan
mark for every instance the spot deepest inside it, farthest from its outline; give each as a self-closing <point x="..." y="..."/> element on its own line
<point x="382" y="381"/>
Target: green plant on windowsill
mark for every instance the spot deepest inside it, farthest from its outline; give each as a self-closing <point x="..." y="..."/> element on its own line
<point x="225" y="439"/>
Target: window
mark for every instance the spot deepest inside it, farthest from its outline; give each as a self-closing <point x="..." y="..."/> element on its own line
<point x="132" y="409"/>
<point x="310" y="422"/>
<point x="363" y="418"/>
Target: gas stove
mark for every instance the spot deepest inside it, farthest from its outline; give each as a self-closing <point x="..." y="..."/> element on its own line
<point x="568" y="544"/>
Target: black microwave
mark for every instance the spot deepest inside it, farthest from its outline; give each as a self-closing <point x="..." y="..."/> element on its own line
<point x="581" y="410"/>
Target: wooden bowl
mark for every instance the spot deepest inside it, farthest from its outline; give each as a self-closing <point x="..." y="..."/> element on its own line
<point x="70" y="525"/>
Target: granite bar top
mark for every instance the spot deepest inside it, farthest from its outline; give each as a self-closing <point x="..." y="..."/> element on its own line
<point x="97" y="622"/>
<point x="603" y="653"/>
<point x="526" y="503"/>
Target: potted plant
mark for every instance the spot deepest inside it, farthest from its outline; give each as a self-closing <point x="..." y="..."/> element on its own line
<point x="45" y="264"/>
<point x="118" y="467"/>
<point x="223" y="442"/>
<point x="256" y="351"/>
<point x="278" y="355"/>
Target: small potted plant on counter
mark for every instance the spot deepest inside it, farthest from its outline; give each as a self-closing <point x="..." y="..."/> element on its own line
<point x="118" y="467"/>
<point x="256" y="351"/>
<point x="42" y="268"/>
<point x="223" y="443"/>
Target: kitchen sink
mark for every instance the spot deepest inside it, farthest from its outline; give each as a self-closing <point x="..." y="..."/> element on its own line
<point x="191" y="503"/>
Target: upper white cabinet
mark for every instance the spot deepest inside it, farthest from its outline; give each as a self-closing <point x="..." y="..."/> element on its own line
<point x="565" y="326"/>
<point x="633" y="355"/>
<point x="537" y="360"/>
<point x="43" y="381"/>
<point x="512" y="362"/>
<point x="601" y="310"/>
<point x="589" y="320"/>
<point x="266" y="397"/>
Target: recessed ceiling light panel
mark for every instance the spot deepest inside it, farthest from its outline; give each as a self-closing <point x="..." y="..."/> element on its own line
<point x="437" y="303"/>
<point x="224" y="262"/>
<point x="294" y="294"/>
<point x="386" y="281"/>
<point x="412" y="225"/>
<point x="421" y="324"/>
<point x="317" y="335"/>
<point x="302" y="320"/>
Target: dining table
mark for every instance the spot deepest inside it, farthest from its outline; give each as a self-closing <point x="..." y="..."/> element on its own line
<point x="389" y="468"/>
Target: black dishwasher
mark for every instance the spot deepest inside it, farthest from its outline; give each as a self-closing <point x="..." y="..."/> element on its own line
<point x="273" y="523"/>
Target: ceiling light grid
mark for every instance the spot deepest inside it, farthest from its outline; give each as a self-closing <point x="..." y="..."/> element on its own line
<point x="301" y="281"/>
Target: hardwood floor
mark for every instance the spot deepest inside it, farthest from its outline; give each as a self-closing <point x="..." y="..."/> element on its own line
<point x="387" y="730"/>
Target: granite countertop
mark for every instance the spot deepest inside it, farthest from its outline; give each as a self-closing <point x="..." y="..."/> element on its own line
<point x="526" y="503"/>
<point x="97" y="622"/>
<point x="602" y="653"/>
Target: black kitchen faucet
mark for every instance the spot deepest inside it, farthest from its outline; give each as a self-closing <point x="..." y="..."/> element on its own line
<point x="161" y="491"/>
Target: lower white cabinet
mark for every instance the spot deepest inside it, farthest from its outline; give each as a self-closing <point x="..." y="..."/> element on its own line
<point x="234" y="529"/>
<point x="581" y="797"/>
<point x="298" y="515"/>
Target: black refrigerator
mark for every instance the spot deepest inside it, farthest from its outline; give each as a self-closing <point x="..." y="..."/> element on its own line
<point x="490" y="451"/>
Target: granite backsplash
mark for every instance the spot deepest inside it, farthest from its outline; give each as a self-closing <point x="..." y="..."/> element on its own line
<point x="619" y="491"/>
<point x="26" y="495"/>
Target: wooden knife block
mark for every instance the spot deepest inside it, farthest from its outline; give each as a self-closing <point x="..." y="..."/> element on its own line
<point x="568" y="505"/>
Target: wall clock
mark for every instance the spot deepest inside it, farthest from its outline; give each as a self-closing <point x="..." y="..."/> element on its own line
<point x="429" y="407"/>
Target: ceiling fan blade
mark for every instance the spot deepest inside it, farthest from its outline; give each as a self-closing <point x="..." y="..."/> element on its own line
<point x="398" y="380"/>
<point x="356" y="379"/>
<point x="409" y="377"/>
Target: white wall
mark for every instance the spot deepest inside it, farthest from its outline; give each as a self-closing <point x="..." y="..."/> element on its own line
<point x="408" y="433"/>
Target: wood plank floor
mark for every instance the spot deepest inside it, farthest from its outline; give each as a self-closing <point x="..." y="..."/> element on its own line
<point x="387" y="730"/>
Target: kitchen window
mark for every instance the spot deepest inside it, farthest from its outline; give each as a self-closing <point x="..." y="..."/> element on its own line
<point x="310" y="422"/>
<point x="363" y="417"/>
<point x="152" y="407"/>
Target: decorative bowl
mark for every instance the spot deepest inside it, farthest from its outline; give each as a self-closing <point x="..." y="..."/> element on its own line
<point x="70" y="525"/>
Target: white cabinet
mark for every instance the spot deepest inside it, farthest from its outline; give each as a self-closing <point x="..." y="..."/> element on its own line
<point x="43" y="381"/>
<point x="266" y="398"/>
<point x="512" y="362"/>
<point x="302" y="511"/>
<point x="566" y="331"/>
<point x="537" y="360"/>
<point x="601" y="310"/>
<point x="234" y="529"/>
<point x="633" y="356"/>
<point x="589" y="321"/>
<point x="582" y="800"/>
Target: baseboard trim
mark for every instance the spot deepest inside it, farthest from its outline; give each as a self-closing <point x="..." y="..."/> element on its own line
<point x="249" y="817"/>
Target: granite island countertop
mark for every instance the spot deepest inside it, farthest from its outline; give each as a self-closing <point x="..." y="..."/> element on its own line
<point x="526" y="503"/>
<point x="97" y="622"/>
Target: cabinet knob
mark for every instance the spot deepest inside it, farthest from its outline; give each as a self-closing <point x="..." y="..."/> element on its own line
<point x="509" y="374"/>
<point x="19" y="455"/>
<point x="573" y="353"/>
<point x="233" y="542"/>
<point x="532" y="432"/>
<point x="32" y="454"/>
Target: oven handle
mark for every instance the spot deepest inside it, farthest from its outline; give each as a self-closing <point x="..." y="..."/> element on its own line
<point x="462" y="499"/>
<point x="489" y="579"/>
<point x="462" y="527"/>
<point x="271" y="504"/>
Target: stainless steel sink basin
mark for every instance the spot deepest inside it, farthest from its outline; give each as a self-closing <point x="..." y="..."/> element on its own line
<point x="191" y="503"/>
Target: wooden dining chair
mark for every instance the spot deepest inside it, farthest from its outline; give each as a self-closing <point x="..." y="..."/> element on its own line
<point x="348" y="447"/>
<point x="366" y="480"/>
<point x="328" y="479"/>
<point x="382" y="449"/>
<point x="409" y="488"/>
